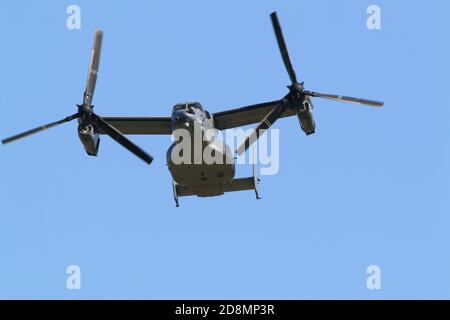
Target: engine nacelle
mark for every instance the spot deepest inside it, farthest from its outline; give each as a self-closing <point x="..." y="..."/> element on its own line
<point x="89" y="138"/>
<point x="305" y="117"/>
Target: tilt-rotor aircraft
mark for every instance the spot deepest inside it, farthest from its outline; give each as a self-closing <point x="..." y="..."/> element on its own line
<point x="200" y="179"/>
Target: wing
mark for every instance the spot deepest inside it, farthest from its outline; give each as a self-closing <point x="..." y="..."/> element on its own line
<point x="247" y="115"/>
<point x="141" y="125"/>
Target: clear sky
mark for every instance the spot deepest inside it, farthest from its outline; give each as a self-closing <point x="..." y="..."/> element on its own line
<point x="369" y="188"/>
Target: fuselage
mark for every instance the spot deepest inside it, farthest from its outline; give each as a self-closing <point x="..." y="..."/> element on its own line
<point x="197" y="158"/>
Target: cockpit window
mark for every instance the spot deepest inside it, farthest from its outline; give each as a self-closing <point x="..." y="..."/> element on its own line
<point x="188" y="106"/>
<point x="180" y="107"/>
<point x="196" y="105"/>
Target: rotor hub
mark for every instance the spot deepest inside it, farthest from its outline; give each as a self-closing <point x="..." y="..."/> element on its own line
<point x="85" y="109"/>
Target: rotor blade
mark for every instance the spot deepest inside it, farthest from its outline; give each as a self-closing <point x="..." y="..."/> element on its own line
<point x="283" y="47"/>
<point x="93" y="68"/>
<point x="121" y="139"/>
<point x="39" y="129"/>
<point x="265" y="124"/>
<point x="345" y="99"/>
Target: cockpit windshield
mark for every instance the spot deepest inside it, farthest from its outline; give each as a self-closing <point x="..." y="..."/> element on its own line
<point x="196" y="105"/>
<point x="188" y="105"/>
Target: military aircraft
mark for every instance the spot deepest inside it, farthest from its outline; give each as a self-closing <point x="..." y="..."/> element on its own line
<point x="200" y="179"/>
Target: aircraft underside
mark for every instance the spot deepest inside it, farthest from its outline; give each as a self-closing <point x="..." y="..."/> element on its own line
<point x="206" y="179"/>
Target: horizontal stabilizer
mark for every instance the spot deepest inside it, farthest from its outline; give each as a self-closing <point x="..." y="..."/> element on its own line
<point x="236" y="185"/>
<point x="240" y="185"/>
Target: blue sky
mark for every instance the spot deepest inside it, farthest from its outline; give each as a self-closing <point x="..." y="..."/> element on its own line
<point x="371" y="187"/>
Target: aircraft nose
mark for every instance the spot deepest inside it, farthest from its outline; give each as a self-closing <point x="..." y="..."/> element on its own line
<point x="182" y="119"/>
